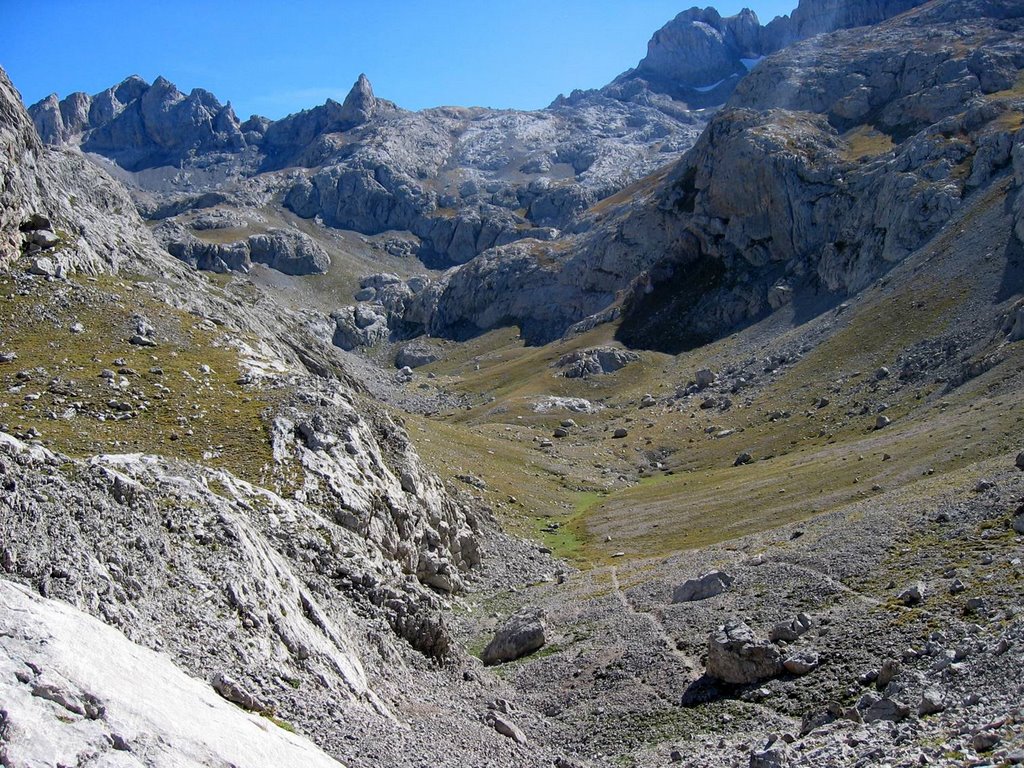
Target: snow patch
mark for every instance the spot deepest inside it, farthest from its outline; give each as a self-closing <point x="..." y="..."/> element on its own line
<point x="706" y="88"/>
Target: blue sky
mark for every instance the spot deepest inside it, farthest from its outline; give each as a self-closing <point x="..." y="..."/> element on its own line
<point x="277" y="58"/>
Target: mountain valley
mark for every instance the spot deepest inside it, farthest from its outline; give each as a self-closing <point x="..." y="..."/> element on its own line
<point x="676" y="423"/>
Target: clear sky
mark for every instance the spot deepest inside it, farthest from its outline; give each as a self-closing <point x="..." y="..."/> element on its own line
<point x="274" y="58"/>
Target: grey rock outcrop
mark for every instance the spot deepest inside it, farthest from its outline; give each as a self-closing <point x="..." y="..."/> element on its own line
<point x="737" y="656"/>
<point x="287" y="251"/>
<point x="700" y="56"/>
<point x="360" y="104"/>
<point x="815" y="17"/>
<point x="23" y="147"/>
<point x="92" y="215"/>
<point x="849" y="213"/>
<point x="584" y="363"/>
<point x="500" y="176"/>
<point x="700" y="48"/>
<point x="523" y="633"/>
<point x="285" y="141"/>
<point x="141" y="125"/>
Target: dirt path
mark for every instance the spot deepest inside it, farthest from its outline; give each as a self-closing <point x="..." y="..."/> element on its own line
<point x="833" y="582"/>
<point x="655" y="623"/>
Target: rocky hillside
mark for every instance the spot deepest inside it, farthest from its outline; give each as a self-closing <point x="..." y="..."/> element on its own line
<point x="703" y="446"/>
<point x="190" y="466"/>
<point x="809" y="184"/>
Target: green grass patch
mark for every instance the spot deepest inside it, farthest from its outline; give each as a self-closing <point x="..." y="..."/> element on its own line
<point x="865" y="142"/>
<point x="172" y="408"/>
<point x="282" y="724"/>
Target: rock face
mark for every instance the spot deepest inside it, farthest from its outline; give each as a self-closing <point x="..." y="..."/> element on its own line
<point x="699" y="57"/>
<point x="495" y="176"/>
<point x="693" y="255"/>
<point x="815" y="17"/>
<point x="737" y="656"/>
<point x="100" y="226"/>
<point x="16" y="164"/>
<point x="831" y="212"/>
<point x="699" y="47"/>
<point x="141" y="125"/>
<point x="789" y="193"/>
<point x="287" y="251"/>
<point x="76" y="689"/>
<point x="523" y="633"/>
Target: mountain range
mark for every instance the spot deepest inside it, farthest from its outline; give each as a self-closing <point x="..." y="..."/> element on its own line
<point x="676" y="422"/>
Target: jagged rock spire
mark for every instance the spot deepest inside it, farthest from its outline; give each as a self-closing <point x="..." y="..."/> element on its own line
<point x="360" y="103"/>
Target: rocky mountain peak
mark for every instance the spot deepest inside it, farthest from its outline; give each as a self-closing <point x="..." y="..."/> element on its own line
<point x="141" y="125"/>
<point x="699" y="47"/>
<point x="131" y="88"/>
<point x="700" y="56"/>
<point x="360" y="103"/>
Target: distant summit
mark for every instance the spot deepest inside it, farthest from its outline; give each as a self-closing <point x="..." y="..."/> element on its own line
<point x="139" y="125"/>
<point x="700" y="56"/>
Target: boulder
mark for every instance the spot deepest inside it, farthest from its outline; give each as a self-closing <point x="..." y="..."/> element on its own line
<point x="523" y="633"/>
<point x="584" y="363"/>
<point x="791" y="630"/>
<point x="736" y="655"/>
<point x="43" y="266"/>
<point x="234" y="692"/>
<point x="777" y="755"/>
<point x="801" y="663"/>
<point x="44" y="238"/>
<point x="506" y="727"/>
<point x="874" y="709"/>
<point x="933" y="701"/>
<point x="359" y="326"/>
<point x="912" y="595"/>
<point x="416" y="355"/>
<point x="708" y="585"/>
<point x="985" y="741"/>
<point x="705" y="377"/>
